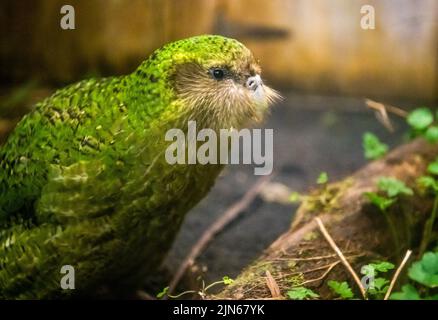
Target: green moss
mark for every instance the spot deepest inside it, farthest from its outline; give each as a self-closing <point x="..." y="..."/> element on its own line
<point x="291" y="264"/>
<point x="295" y="280"/>
<point x="312" y="235"/>
<point x="327" y="198"/>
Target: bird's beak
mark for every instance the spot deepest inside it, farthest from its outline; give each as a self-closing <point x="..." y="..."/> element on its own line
<point x="257" y="91"/>
<point x="254" y="82"/>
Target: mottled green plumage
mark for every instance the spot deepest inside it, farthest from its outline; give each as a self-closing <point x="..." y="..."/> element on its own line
<point x="84" y="181"/>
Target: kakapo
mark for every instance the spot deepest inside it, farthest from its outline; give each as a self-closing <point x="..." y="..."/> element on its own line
<point x="83" y="177"/>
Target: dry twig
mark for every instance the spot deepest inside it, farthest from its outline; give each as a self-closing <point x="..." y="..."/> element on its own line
<point x="272" y="285"/>
<point x="322" y="277"/>
<point x="382" y="112"/>
<point x="316" y="258"/>
<point x="341" y="256"/>
<point x="396" y="274"/>
<point x="308" y="270"/>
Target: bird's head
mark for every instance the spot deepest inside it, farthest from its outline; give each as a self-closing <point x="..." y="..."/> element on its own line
<point x="216" y="81"/>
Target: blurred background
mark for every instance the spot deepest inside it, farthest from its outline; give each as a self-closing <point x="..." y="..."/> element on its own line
<point x="315" y="46"/>
<point x="315" y="52"/>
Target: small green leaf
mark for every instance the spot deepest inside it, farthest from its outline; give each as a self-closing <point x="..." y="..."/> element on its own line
<point x="373" y="147"/>
<point x="382" y="266"/>
<point x="393" y="187"/>
<point x="295" y="197"/>
<point x="432" y="134"/>
<point x="380" y="286"/>
<point x="382" y="203"/>
<point x="420" y="119"/>
<point x="433" y="167"/>
<point x="408" y="292"/>
<point x="425" y="271"/>
<point x="322" y="178"/>
<point x="311" y="236"/>
<point x="227" y="280"/>
<point x="301" y="293"/>
<point x="341" y="288"/>
<point x="163" y="293"/>
<point x="368" y="271"/>
<point x="428" y="182"/>
<point x="372" y="269"/>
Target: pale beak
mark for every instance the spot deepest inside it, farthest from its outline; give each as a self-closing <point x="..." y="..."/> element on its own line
<point x="256" y="89"/>
<point x="253" y="83"/>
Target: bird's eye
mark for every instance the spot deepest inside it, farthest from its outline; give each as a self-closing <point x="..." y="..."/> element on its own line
<point x="218" y="73"/>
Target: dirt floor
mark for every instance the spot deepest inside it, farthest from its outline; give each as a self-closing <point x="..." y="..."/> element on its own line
<point x="311" y="134"/>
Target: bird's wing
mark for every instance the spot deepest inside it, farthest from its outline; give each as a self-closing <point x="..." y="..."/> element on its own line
<point x="83" y="190"/>
<point x="55" y="157"/>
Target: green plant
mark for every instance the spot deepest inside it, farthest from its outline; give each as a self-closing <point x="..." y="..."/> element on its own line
<point x="382" y="266"/>
<point x="227" y="280"/>
<point x="378" y="285"/>
<point x="423" y="274"/>
<point x="322" y="178"/>
<point x="342" y="289"/>
<point x="373" y="147"/>
<point x="423" y="123"/>
<point x="163" y="293"/>
<point x="420" y="119"/>
<point x="429" y="183"/>
<point x="301" y="293"/>
<point x="408" y="292"/>
<point x="431" y="134"/>
<point x="425" y="271"/>
<point x="424" y="277"/>
<point x="391" y="188"/>
<point x="379" y="288"/>
<point x="433" y="167"/>
<point x="381" y="202"/>
<point x="295" y="197"/>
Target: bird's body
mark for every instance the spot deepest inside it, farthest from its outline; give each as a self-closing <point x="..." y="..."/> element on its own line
<point x="83" y="178"/>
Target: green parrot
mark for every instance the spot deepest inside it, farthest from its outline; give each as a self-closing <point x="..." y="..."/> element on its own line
<point x="83" y="177"/>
